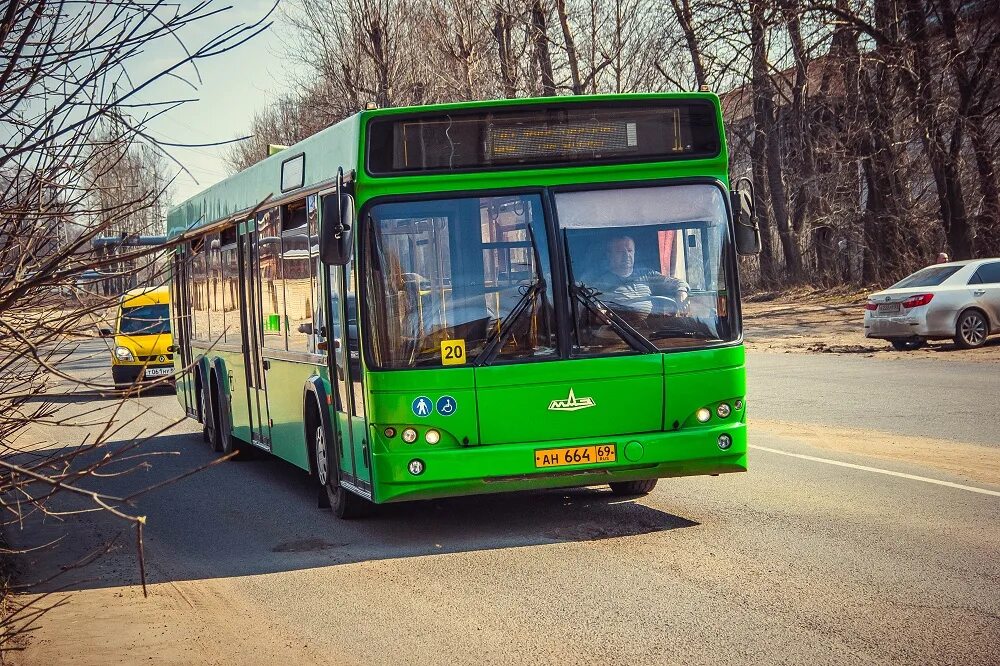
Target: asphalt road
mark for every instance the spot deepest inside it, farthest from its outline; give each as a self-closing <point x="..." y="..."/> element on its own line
<point x="801" y="560"/>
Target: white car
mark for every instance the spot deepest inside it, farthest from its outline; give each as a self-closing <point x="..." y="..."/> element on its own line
<point x="958" y="300"/>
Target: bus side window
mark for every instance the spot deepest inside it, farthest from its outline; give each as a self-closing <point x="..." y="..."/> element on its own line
<point x="297" y="274"/>
<point x="353" y="347"/>
<point x="335" y="340"/>
<point x="197" y="291"/>
<point x="272" y="285"/>
<point x="231" y="286"/>
<point x="214" y="288"/>
<point x="319" y="332"/>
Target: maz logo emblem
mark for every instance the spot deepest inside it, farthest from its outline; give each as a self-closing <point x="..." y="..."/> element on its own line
<point x="571" y="404"/>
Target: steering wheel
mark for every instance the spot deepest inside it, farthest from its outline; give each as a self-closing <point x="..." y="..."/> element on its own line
<point x="665" y="306"/>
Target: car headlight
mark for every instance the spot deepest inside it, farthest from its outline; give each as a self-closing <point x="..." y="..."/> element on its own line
<point x="123" y="354"/>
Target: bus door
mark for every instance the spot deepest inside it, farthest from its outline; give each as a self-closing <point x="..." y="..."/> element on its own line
<point x="352" y="437"/>
<point x="255" y="364"/>
<point x="181" y="331"/>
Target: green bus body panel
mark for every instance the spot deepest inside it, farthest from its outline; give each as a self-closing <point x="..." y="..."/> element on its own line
<point x="285" y="383"/>
<point x="643" y="404"/>
<point x="636" y="398"/>
<point x="626" y="394"/>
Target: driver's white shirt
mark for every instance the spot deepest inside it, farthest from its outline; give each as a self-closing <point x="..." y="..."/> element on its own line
<point x="634" y="293"/>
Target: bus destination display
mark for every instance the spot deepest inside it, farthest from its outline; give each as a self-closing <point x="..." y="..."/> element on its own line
<point x="565" y="135"/>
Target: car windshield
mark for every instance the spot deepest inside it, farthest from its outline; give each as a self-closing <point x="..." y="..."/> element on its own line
<point x="932" y="276"/>
<point x="459" y="280"/>
<point x="648" y="268"/>
<point x="145" y="320"/>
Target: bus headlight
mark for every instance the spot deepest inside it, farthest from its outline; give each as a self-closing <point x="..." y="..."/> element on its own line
<point x="409" y="435"/>
<point x="725" y="441"/>
<point x="723" y="410"/>
<point x="416" y="467"/>
<point x="432" y="437"/>
<point x="123" y="354"/>
<point x="703" y="414"/>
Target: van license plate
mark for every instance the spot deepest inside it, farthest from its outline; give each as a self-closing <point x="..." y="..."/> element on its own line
<point x="575" y="455"/>
<point x="159" y="372"/>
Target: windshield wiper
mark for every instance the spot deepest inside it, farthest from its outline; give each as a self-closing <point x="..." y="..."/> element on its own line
<point x="505" y="329"/>
<point x="609" y="317"/>
<point x="588" y="297"/>
<point x="502" y="334"/>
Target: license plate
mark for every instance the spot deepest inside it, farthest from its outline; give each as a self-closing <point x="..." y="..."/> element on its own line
<point x="888" y="307"/>
<point x="575" y="455"/>
<point x="159" y="372"/>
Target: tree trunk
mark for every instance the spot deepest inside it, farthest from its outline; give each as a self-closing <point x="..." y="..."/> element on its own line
<point x="543" y="59"/>
<point x="502" y="28"/>
<point x="987" y="241"/>
<point x="944" y="160"/>
<point x="574" y="64"/>
<point x="682" y="10"/>
<point x="765" y="124"/>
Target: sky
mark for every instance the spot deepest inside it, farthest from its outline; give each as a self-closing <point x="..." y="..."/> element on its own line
<point x="232" y="87"/>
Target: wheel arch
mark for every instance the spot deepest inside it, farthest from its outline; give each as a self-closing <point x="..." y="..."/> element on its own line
<point x="316" y="411"/>
<point x="975" y="308"/>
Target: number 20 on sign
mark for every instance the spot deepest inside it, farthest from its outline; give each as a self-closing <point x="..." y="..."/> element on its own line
<point x="452" y="352"/>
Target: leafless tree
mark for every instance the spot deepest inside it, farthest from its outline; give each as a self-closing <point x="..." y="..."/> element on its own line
<point x="868" y="127"/>
<point x="77" y="162"/>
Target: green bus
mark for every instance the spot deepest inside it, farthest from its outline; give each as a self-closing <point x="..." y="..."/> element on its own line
<point x="474" y="298"/>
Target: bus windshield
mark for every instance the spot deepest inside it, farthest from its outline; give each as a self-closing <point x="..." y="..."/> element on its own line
<point x="470" y="270"/>
<point x="647" y="268"/>
<point x="145" y="320"/>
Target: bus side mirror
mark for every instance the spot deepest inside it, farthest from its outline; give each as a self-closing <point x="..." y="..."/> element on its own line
<point x="336" y="231"/>
<point x="744" y="225"/>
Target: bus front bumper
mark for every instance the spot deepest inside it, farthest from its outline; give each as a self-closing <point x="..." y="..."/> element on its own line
<point x="511" y="467"/>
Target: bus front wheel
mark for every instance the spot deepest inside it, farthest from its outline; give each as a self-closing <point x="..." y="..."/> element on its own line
<point x="633" y="488"/>
<point x="344" y="503"/>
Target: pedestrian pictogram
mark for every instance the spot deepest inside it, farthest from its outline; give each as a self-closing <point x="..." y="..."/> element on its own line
<point x="422" y="406"/>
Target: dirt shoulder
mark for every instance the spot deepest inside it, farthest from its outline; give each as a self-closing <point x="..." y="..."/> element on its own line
<point x="831" y="322"/>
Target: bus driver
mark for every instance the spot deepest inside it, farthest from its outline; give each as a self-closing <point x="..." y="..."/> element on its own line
<point x="640" y="290"/>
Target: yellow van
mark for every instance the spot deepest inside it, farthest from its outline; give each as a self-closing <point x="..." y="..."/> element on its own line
<point x="143" y="349"/>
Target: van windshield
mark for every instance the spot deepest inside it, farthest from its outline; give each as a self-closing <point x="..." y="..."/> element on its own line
<point x="145" y="320"/>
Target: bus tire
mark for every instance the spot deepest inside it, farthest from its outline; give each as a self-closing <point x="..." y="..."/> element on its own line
<point x="345" y="504"/>
<point x="222" y="431"/>
<point x="207" y="416"/>
<point x="632" y="488"/>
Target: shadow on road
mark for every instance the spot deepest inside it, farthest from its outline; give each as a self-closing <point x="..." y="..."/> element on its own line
<point x="260" y="516"/>
<point x="90" y="395"/>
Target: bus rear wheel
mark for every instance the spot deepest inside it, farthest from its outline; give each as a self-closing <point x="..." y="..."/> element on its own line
<point x="344" y="503"/>
<point x="632" y="488"/>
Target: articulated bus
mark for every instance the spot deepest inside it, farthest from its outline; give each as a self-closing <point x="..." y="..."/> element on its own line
<point x="474" y="298"/>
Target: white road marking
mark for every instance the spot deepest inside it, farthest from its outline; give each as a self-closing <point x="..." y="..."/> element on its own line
<point x="877" y="470"/>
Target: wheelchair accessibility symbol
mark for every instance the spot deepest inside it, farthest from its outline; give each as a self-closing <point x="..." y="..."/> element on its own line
<point x="446" y="405"/>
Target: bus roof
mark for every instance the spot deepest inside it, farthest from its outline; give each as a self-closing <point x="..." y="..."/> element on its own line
<point x="340" y="145"/>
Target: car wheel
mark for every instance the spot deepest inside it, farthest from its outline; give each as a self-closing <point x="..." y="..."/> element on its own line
<point x="971" y="330"/>
<point x="344" y="503"/>
<point x="907" y="345"/>
<point x="632" y="488"/>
